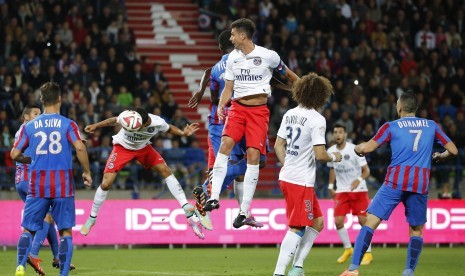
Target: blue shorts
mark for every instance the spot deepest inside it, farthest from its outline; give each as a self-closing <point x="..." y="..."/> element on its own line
<point x="35" y="209"/>
<point x="22" y="188"/>
<point x="387" y="199"/>
<point x="215" y="131"/>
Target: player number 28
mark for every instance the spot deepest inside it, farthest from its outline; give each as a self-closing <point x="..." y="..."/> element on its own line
<point x="54" y="147"/>
<point x="417" y="138"/>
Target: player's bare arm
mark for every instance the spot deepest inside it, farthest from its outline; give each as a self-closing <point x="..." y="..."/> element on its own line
<point x="225" y="97"/>
<point x="364" y="148"/>
<point x="197" y="97"/>
<point x="280" y="149"/>
<point x="450" y="152"/>
<point x="188" y="130"/>
<point x="276" y="83"/>
<point x="323" y="156"/>
<point x="365" y="174"/>
<point x="290" y="75"/>
<point x="18" y="156"/>
<point x="105" y="123"/>
<point x="332" y="179"/>
<point x="81" y="154"/>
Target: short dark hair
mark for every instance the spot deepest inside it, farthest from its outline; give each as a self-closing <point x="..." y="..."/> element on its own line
<point x="28" y="109"/>
<point x="223" y="40"/>
<point x="409" y="102"/>
<point x="312" y="91"/>
<point x="244" y="25"/>
<point x="143" y="113"/>
<point x="338" y="125"/>
<point x="49" y="93"/>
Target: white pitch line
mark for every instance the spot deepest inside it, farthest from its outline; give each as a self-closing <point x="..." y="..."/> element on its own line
<point x="136" y="272"/>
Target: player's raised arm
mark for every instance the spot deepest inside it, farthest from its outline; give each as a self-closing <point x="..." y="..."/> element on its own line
<point x="197" y="97"/>
<point x="280" y="149"/>
<point x="225" y="97"/>
<point x="113" y="121"/>
<point x="188" y="130"/>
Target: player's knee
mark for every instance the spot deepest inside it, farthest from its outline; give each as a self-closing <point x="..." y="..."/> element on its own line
<point x="226" y="146"/>
<point x="49" y="219"/>
<point x="339" y="224"/>
<point x="318" y="224"/>
<point x="416" y="230"/>
<point x="253" y="156"/>
<point x="164" y="171"/>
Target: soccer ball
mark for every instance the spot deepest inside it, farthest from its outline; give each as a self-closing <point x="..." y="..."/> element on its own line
<point x="131" y="121"/>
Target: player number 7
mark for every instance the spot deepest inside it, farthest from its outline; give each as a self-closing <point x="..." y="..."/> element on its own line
<point x="417" y="138"/>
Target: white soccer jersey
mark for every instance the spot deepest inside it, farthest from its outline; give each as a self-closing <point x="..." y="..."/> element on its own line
<point x="251" y="73"/>
<point x="302" y="128"/>
<point x="140" y="139"/>
<point x="349" y="169"/>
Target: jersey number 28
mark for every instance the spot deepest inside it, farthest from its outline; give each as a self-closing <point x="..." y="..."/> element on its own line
<point x="55" y="145"/>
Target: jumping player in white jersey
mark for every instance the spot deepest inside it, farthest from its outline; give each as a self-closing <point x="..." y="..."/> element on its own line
<point x="351" y="192"/>
<point x="128" y="146"/>
<point x="300" y="142"/>
<point x="249" y="69"/>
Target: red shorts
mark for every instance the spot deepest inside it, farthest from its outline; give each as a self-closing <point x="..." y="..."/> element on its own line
<point x="302" y="205"/>
<point x="251" y="121"/>
<point x="345" y="202"/>
<point x="120" y="156"/>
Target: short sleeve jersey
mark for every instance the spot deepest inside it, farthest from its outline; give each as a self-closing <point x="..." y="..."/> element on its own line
<point x="217" y="83"/>
<point x="302" y="128"/>
<point x="252" y="73"/>
<point x="349" y="169"/>
<point x="139" y="139"/>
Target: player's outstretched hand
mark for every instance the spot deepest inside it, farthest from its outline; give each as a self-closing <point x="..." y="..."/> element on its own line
<point x="338" y="156"/>
<point x="90" y="129"/>
<point x="438" y="157"/>
<point x="87" y="179"/>
<point x="191" y="129"/>
<point x="220" y="112"/>
<point x="195" y="100"/>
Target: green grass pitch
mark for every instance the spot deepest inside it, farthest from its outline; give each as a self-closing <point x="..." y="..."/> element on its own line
<point x="242" y="261"/>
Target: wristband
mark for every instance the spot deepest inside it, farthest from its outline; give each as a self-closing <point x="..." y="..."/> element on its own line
<point x="360" y="179"/>
<point x="331" y="186"/>
<point x="333" y="157"/>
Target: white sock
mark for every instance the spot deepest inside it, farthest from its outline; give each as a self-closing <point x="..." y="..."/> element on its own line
<point x="219" y="173"/>
<point x="369" y="248"/>
<point x="176" y="190"/>
<point x="305" y="245"/>
<point x="250" y="183"/>
<point x="99" y="198"/>
<point x="344" y="235"/>
<point x="288" y="247"/>
<point x="239" y="191"/>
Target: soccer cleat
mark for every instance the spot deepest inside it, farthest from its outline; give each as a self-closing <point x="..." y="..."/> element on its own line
<point x="349" y="273"/>
<point x="196" y="227"/>
<point x="347" y="253"/>
<point x="56" y="264"/>
<point x="85" y="229"/>
<point x="239" y="220"/>
<point x="211" y="204"/>
<point x="35" y="263"/>
<point x="200" y="199"/>
<point x="250" y="221"/>
<point x="205" y="220"/>
<point x="367" y="258"/>
<point x="296" y="271"/>
<point x="20" y="271"/>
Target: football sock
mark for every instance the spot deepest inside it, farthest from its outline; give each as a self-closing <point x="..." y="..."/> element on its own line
<point x="239" y="191"/>
<point x="176" y="189"/>
<point x="99" y="198"/>
<point x="361" y="245"/>
<point x="66" y="253"/>
<point x="24" y="246"/>
<point x="344" y="235"/>
<point x="288" y="247"/>
<point x="250" y="183"/>
<point x="219" y="173"/>
<point x="369" y="249"/>
<point x="39" y="239"/>
<point x="53" y="240"/>
<point x="413" y="252"/>
<point x="305" y="246"/>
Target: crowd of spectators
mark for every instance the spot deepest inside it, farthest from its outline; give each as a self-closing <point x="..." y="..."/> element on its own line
<point x="88" y="48"/>
<point x="372" y="51"/>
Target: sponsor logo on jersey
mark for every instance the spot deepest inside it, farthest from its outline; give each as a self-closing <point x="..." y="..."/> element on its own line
<point x="246" y="76"/>
<point x="257" y="61"/>
<point x="346" y="157"/>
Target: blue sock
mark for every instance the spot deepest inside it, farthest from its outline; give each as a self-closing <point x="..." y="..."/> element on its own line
<point x="39" y="239"/>
<point x="24" y="246"/>
<point x="53" y="240"/>
<point x="413" y="252"/>
<point x="361" y="245"/>
<point x="66" y="253"/>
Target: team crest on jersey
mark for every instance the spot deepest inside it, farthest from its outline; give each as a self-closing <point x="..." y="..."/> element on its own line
<point x="346" y="157"/>
<point x="257" y="61"/>
<point x="150" y="129"/>
<point x="111" y="166"/>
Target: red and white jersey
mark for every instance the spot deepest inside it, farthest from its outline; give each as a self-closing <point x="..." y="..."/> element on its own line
<point x="302" y="128"/>
<point x="251" y="73"/>
<point x="140" y="139"/>
<point x="349" y="169"/>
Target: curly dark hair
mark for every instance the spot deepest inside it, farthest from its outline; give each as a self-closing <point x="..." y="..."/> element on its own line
<point x="312" y="91"/>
